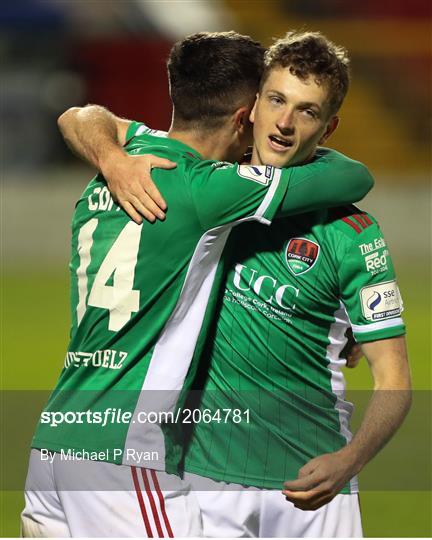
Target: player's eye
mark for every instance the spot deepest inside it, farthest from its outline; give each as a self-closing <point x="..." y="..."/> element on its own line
<point x="275" y="100"/>
<point x="310" y="113"/>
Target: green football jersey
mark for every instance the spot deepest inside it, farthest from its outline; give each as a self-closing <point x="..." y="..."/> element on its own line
<point x="291" y="293"/>
<point x="142" y="296"/>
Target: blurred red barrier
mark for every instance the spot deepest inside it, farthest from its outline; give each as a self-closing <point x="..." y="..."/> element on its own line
<point x="128" y="76"/>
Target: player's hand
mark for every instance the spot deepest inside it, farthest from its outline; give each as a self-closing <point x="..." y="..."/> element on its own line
<point x="129" y="181"/>
<point x="320" y="480"/>
<point x="352" y="351"/>
<point x="354" y="355"/>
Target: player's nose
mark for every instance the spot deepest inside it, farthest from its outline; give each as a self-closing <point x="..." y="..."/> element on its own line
<point x="285" y="123"/>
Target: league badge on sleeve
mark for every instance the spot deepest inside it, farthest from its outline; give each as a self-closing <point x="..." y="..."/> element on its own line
<point x="301" y="255"/>
<point x="381" y="301"/>
<point x="262" y="174"/>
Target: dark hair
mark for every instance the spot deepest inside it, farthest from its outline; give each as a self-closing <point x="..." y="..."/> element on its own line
<point x="312" y="54"/>
<point x="211" y="75"/>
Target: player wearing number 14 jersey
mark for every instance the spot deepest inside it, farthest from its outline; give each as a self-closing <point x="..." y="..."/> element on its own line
<point x="143" y="296"/>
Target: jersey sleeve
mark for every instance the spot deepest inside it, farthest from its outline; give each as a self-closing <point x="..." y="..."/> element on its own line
<point x="224" y="193"/>
<point x="139" y="128"/>
<point x="132" y="130"/>
<point x="331" y="179"/>
<point x="368" y="285"/>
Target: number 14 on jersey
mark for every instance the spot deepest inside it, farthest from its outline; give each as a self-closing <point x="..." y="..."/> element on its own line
<point x="120" y="299"/>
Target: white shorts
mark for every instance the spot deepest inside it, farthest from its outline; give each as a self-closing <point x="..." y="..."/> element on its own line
<point x="65" y="498"/>
<point x="232" y="511"/>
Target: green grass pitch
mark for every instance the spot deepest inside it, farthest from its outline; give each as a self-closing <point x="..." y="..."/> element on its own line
<point x="34" y="334"/>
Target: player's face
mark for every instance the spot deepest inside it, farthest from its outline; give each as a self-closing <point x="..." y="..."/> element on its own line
<point x="291" y="117"/>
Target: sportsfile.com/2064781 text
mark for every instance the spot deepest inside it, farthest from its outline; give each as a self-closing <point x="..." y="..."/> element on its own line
<point x="118" y="416"/>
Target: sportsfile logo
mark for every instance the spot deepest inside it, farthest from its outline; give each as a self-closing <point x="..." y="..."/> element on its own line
<point x="261" y="174"/>
<point x="381" y="301"/>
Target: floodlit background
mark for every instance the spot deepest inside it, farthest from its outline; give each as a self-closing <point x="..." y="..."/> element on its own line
<point x="56" y="54"/>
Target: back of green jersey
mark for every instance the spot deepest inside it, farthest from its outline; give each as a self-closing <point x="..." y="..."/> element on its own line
<point x="139" y="296"/>
<point x="119" y="269"/>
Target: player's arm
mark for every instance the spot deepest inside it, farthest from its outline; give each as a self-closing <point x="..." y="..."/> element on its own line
<point x="371" y="297"/>
<point x="93" y="133"/>
<point x="390" y="402"/>
<point x="322" y="478"/>
<point x="331" y="179"/>
<point x="225" y="192"/>
<point x="97" y="136"/>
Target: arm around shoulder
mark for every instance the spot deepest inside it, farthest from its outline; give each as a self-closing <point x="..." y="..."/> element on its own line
<point x="355" y="182"/>
<point x="93" y="133"/>
<point x="332" y="179"/>
<point x="97" y="136"/>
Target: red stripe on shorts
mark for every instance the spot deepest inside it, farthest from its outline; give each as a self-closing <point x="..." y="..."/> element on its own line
<point x="141" y="503"/>
<point x="152" y="503"/>
<point x="162" y="503"/>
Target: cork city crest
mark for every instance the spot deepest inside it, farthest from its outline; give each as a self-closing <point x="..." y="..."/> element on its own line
<point x="301" y="254"/>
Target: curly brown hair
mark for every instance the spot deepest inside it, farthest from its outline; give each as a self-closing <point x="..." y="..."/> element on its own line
<point x="312" y="54"/>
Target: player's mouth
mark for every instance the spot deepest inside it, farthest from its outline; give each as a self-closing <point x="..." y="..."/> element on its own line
<point x="279" y="144"/>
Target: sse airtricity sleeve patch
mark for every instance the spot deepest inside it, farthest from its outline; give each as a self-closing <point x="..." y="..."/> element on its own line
<point x="367" y="279"/>
<point x="260" y="174"/>
<point x="381" y="301"/>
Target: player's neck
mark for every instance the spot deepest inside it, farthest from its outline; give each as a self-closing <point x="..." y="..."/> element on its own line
<point x="256" y="159"/>
<point x="210" y="145"/>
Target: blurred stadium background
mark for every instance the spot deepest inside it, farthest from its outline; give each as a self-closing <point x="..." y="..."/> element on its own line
<point x="56" y="54"/>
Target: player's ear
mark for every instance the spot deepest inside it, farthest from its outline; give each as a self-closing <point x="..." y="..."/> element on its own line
<point x="241" y="119"/>
<point x="330" y="128"/>
<point x="252" y="114"/>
